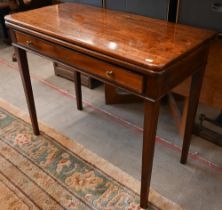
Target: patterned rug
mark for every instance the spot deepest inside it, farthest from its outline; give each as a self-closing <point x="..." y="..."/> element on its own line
<point x="53" y="172"/>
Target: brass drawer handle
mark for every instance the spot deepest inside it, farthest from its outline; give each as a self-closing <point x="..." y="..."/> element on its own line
<point x="109" y="73"/>
<point x="29" y="43"/>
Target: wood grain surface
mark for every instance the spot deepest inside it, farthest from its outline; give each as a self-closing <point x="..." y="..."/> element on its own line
<point x="139" y="40"/>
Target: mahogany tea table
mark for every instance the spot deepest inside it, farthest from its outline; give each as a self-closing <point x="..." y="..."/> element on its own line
<point x="145" y="56"/>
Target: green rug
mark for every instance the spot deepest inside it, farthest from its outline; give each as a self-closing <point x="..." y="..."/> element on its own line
<point x="53" y="172"/>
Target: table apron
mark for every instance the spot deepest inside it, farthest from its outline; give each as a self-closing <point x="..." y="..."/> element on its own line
<point x="148" y="87"/>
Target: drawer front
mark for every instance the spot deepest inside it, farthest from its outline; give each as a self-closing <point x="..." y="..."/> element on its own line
<point x="93" y="66"/>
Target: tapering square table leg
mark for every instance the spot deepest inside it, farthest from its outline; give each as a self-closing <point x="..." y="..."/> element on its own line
<point x="193" y="101"/>
<point x="78" y="89"/>
<point x="151" y="113"/>
<point x="26" y="81"/>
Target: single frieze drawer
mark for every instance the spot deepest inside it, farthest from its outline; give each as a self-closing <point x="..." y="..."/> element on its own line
<point x="91" y="65"/>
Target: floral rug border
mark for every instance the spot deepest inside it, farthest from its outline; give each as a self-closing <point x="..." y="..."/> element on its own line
<point x="88" y="156"/>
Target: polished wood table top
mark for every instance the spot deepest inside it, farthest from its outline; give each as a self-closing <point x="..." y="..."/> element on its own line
<point x="144" y="56"/>
<point x="149" y="43"/>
